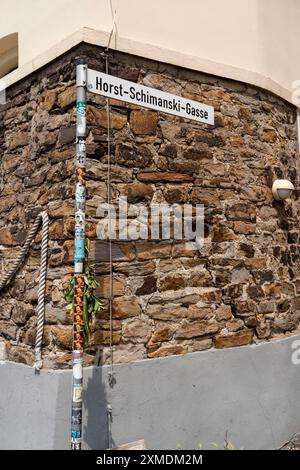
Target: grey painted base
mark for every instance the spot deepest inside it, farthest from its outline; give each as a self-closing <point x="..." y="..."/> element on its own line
<point x="184" y="402"/>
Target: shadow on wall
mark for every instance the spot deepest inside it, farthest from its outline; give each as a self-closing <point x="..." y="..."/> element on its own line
<point x="96" y="417"/>
<point x="95" y="414"/>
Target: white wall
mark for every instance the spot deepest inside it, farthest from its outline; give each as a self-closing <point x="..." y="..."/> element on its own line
<point x="251" y="40"/>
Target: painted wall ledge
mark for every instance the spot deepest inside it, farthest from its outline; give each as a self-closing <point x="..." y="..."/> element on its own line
<point x="101" y="38"/>
<point x="252" y="392"/>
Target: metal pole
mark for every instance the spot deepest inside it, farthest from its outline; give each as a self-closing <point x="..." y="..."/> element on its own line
<point x="80" y="197"/>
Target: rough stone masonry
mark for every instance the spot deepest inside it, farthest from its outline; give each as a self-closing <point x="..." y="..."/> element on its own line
<point x="242" y="287"/>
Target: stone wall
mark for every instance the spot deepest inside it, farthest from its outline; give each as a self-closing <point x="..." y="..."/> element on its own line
<point x="242" y="287"/>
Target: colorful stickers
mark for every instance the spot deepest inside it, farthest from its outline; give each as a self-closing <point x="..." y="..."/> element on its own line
<point x="81" y="117"/>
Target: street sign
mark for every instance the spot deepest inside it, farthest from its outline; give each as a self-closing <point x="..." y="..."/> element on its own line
<point x="130" y="92"/>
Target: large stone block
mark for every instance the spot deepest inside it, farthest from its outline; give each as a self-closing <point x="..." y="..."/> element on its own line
<point x="118" y="286"/>
<point x="67" y="97"/>
<point x="137" y="192"/>
<point x="103" y="337"/>
<point x="240" y="338"/>
<point x="164" y="177"/>
<point x="197" y="328"/>
<point x="21" y="313"/>
<point x="137" y="330"/>
<point x="47" y="99"/>
<point x="8" y="329"/>
<point x="98" y="117"/>
<point x="132" y="155"/>
<point x="143" y="122"/>
<point x="166" y="312"/>
<point x="126" y="307"/>
<point x="241" y="211"/>
<point x="152" y="250"/>
<point x="169" y="350"/>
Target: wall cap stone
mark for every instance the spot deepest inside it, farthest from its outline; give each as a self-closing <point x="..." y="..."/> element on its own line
<point x="126" y="45"/>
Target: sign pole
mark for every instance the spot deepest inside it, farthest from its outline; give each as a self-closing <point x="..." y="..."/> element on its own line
<point x="79" y="256"/>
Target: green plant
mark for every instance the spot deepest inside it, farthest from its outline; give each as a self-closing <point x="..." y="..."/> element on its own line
<point x="227" y="445"/>
<point x="91" y="303"/>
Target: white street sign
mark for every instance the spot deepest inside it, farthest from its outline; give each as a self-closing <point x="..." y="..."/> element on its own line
<point x="131" y="92"/>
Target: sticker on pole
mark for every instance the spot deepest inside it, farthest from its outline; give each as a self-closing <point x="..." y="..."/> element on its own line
<point x="77" y="393"/>
<point x="130" y="92"/>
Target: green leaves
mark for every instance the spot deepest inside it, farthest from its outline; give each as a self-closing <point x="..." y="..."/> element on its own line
<point x="91" y="303"/>
<point x="69" y="295"/>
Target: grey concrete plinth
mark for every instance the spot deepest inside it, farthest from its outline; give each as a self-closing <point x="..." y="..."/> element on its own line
<point x="251" y="392"/>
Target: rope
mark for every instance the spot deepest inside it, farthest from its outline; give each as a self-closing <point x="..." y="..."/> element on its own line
<point x="41" y="293"/>
<point x="42" y="216"/>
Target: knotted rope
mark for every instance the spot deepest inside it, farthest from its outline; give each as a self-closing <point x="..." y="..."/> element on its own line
<point x="42" y="217"/>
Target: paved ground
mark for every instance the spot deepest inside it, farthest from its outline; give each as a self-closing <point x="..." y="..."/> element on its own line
<point x="293" y="444"/>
